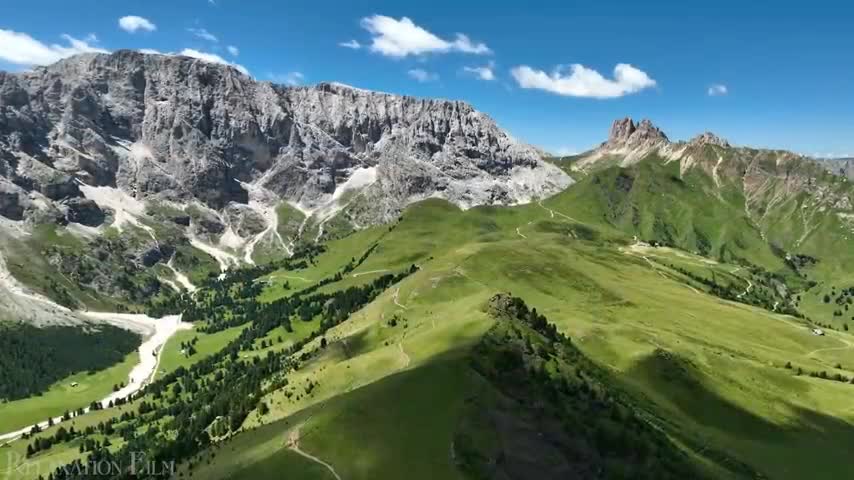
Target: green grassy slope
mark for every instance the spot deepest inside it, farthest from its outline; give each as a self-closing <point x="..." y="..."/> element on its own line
<point x="406" y="385"/>
<point x="619" y="310"/>
<point x="655" y="202"/>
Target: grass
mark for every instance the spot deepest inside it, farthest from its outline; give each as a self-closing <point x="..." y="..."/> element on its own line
<point x="618" y="309"/>
<point x="194" y="263"/>
<point x="289" y="220"/>
<point x="15" y="466"/>
<point x="338" y="253"/>
<point x="207" y="344"/>
<point x="294" y="464"/>
<point x="270" y="248"/>
<point x="386" y="395"/>
<point x="61" y="396"/>
<point x="332" y="431"/>
<point x="38" y="274"/>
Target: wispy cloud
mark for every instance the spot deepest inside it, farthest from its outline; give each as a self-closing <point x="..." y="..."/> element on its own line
<point x="233" y="50"/>
<point x="400" y="38"/>
<point x="563" y="151"/>
<point x="581" y="81"/>
<point x="717" y="90"/>
<point x="133" y="24"/>
<point x="290" y="78"/>
<point x="484" y="73"/>
<point x="203" y="34"/>
<point x="22" y="49"/>
<point x="352" y="44"/>
<point x="212" y="58"/>
<point x="422" y="76"/>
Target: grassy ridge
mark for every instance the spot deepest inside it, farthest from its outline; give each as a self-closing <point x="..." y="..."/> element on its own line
<point x="619" y="310"/>
<point x="389" y="392"/>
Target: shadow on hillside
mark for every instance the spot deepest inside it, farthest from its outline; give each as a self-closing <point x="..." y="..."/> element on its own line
<point x="395" y="427"/>
<point x="814" y="443"/>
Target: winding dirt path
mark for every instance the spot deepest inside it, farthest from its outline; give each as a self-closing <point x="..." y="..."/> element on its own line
<point x="519" y="232"/>
<point x="747" y="290"/>
<point x="382" y="270"/>
<point x="293" y="277"/>
<point x="406" y="359"/>
<point x="555" y="212"/>
<point x="293" y="445"/>
<point x="396" y="302"/>
<point x="551" y="212"/>
<point x="848" y="346"/>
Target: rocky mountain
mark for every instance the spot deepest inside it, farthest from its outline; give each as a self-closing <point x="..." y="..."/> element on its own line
<point x="696" y="193"/>
<point x="173" y="154"/>
<point x="839" y="166"/>
<point x="181" y="129"/>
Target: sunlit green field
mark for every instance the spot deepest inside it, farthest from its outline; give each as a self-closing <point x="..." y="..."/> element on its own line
<point x="62" y="396"/>
<point x="738" y="402"/>
<point x="207" y="344"/>
<point x="728" y="383"/>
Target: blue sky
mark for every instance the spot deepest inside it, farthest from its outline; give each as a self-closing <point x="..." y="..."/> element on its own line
<point x="781" y="72"/>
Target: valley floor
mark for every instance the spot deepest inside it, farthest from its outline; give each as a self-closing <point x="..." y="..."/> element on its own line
<point x="145" y="364"/>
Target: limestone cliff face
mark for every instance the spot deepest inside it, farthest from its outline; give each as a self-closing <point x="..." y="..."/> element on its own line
<point x="181" y="129"/>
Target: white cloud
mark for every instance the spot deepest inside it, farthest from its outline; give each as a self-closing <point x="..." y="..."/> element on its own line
<point x="584" y="82"/>
<point x="133" y="24"/>
<point x="401" y="38"/>
<point x="484" y="73"/>
<point x="290" y="78"/>
<point x="355" y="45"/>
<point x="717" y="90"/>
<point x="22" y="49"/>
<point x="203" y="34"/>
<point x="212" y="58"/>
<point x="151" y="51"/>
<point x="564" y="151"/>
<point x="422" y="75"/>
<point x="464" y="44"/>
<point x="233" y="50"/>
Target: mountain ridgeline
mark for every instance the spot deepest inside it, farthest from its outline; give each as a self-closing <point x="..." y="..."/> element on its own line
<point x="113" y="166"/>
<point x="737" y="204"/>
<point x="184" y="129"/>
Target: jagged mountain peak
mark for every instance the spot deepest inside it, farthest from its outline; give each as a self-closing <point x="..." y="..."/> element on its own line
<point x="621" y="130"/>
<point x="709" y="138"/>
<point x="183" y="129"/>
<point x="628" y="142"/>
<point x="626" y="133"/>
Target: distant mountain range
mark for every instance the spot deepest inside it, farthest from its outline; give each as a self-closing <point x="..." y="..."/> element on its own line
<point x="170" y="150"/>
<point x="139" y="162"/>
<point x="707" y="196"/>
<point x="840" y="166"/>
<point x="185" y="130"/>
